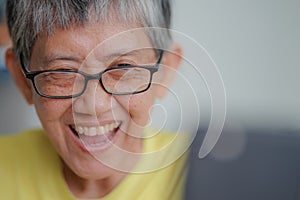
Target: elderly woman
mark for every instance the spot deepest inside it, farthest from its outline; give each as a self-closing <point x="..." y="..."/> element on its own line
<point x="93" y="70"/>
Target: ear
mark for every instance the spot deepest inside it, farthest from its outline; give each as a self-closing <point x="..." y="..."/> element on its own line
<point x="14" y="68"/>
<point x="168" y="69"/>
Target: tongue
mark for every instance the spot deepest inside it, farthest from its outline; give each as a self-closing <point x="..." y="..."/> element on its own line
<point x="95" y="140"/>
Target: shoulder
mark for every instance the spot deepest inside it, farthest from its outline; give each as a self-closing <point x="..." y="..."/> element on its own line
<point x="156" y="139"/>
<point x="163" y="150"/>
<point x="27" y="160"/>
<point x="22" y="139"/>
<point x="24" y="134"/>
<point x="161" y="140"/>
<point x="26" y="142"/>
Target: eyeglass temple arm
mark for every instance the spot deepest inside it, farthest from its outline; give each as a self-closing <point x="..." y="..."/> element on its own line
<point x="24" y="68"/>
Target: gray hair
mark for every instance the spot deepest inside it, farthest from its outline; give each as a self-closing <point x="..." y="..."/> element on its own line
<point x="27" y="19"/>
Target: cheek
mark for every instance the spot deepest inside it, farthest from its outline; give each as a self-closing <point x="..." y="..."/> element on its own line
<point x="139" y="107"/>
<point x="50" y="109"/>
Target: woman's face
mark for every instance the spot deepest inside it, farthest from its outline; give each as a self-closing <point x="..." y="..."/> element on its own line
<point x="95" y="123"/>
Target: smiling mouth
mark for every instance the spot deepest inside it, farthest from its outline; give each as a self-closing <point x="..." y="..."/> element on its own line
<point x="96" y="136"/>
<point x="94" y="131"/>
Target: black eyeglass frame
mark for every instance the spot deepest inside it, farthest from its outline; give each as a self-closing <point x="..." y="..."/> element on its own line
<point x="87" y="77"/>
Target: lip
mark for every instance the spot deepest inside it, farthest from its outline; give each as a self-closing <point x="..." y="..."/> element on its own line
<point x="76" y="140"/>
<point x="112" y="137"/>
<point x="92" y="124"/>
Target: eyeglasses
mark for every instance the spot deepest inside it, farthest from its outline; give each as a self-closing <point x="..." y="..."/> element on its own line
<point x="67" y="83"/>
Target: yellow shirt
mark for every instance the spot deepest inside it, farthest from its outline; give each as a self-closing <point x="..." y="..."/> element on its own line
<point x="30" y="169"/>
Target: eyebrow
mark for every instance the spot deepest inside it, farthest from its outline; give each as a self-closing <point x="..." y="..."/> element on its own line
<point x="120" y="53"/>
<point x="55" y="57"/>
<point x="52" y="57"/>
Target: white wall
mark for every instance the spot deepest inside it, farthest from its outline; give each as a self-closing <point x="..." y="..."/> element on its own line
<point x="256" y="45"/>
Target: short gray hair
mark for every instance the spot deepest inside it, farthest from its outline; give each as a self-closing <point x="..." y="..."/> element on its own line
<point x="27" y="19"/>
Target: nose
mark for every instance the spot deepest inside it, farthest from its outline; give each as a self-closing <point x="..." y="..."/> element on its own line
<point x="93" y="101"/>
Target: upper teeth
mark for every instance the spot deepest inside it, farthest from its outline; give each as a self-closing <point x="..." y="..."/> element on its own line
<point x="97" y="130"/>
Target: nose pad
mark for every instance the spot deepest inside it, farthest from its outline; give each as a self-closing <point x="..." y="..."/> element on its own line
<point x="93" y="101"/>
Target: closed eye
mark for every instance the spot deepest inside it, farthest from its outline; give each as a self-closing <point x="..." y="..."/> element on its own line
<point x="124" y="65"/>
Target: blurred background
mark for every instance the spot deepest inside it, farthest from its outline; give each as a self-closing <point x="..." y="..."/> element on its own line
<point x="256" y="47"/>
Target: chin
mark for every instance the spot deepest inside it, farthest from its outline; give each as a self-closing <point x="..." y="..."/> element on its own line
<point x="89" y="169"/>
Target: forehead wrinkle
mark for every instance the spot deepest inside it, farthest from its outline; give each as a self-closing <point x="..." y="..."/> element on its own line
<point x="123" y="53"/>
<point x="52" y="57"/>
<point x="117" y="54"/>
<point x="129" y="45"/>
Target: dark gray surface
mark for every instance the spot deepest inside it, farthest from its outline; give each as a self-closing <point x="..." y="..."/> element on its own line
<point x="266" y="168"/>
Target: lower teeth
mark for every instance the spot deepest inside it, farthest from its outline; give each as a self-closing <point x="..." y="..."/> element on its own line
<point x="99" y="144"/>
